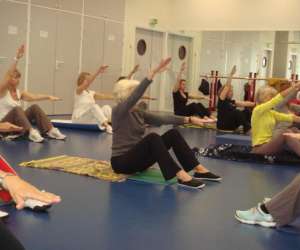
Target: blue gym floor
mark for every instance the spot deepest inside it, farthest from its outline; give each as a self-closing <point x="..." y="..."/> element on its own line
<point x="111" y="216"/>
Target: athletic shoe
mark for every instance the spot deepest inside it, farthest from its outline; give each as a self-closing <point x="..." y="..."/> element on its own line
<point x="207" y="176"/>
<point x="3" y="214"/>
<point x="109" y="129"/>
<point x="193" y="183"/>
<point x="35" y="136"/>
<point x="56" y="134"/>
<point x="255" y="216"/>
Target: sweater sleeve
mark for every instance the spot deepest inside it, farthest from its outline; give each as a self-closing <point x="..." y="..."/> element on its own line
<point x="131" y="101"/>
<point x="158" y="119"/>
<point x="281" y="117"/>
<point x="261" y="108"/>
<point x="292" y="95"/>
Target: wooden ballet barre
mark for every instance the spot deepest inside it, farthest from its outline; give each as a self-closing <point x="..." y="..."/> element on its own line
<point x="236" y="78"/>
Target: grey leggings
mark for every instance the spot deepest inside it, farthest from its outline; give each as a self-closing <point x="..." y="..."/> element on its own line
<point x="278" y="143"/>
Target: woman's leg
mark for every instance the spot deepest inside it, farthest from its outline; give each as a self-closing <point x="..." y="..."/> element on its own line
<point x="277" y="144"/>
<point x="18" y="117"/>
<point x="197" y="109"/>
<point x="36" y="115"/>
<point x="285" y="206"/>
<point x="149" y="150"/>
<point x="7" y="240"/>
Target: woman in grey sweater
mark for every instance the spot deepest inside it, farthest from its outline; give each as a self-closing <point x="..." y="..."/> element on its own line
<point x="133" y="152"/>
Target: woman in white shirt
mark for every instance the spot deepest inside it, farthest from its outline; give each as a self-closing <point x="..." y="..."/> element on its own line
<point x="11" y="109"/>
<point x="86" y="109"/>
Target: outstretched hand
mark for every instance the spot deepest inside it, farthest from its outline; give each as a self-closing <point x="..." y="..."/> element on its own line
<point x="292" y="135"/>
<point x="9" y="127"/>
<point x="136" y="68"/>
<point x="233" y="70"/>
<point x="102" y="69"/>
<point x="21" y="190"/>
<point x="20" y="52"/>
<point x="162" y="66"/>
<point x="53" y="98"/>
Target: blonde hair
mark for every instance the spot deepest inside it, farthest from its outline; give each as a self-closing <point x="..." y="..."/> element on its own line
<point x="277" y="83"/>
<point x="82" y="77"/>
<point x="263" y="92"/>
<point x="16" y="74"/>
<point x="124" y="88"/>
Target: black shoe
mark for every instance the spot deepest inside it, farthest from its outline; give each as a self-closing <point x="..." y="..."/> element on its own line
<point x="193" y="183"/>
<point x="207" y="176"/>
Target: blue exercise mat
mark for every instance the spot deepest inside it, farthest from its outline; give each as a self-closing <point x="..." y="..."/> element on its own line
<point x="234" y="139"/>
<point x="72" y="125"/>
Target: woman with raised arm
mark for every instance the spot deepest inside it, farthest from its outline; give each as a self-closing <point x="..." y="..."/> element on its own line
<point x="11" y="110"/>
<point x="133" y="152"/>
<point x="181" y="97"/>
<point x="265" y="118"/>
<point x="86" y="110"/>
<point x="229" y="117"/>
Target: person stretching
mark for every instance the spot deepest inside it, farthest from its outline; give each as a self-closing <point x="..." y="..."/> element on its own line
<point x="133" y="152"/>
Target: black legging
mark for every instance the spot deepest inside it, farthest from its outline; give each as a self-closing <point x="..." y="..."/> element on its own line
<point x="194" y="109"/>
<point x="235" y="119"/>
<point x="7" y="240"/>
<point x="154" y="148"/>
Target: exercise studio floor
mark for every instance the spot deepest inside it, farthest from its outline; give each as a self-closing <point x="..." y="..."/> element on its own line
<point x="130" y="215"/>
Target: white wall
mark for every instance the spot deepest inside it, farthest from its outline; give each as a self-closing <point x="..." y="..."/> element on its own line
<point x="236" y="14"/>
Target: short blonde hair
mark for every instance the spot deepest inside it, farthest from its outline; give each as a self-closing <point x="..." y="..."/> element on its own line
<point x="263" y="92"/>
<point x="82" y="77"/>
<point x="124" y="88"/>
<point x="277" y="83"/>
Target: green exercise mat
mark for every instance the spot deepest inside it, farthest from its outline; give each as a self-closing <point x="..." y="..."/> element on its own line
<point x="152" y="175"/>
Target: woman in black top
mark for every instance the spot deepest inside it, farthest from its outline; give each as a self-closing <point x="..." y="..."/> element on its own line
<point x="229" y="117"/>
<point x="181" y="97"/>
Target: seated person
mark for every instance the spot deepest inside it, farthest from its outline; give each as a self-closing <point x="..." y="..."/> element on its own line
<point x="229" y="117"/>
<point x="133" y="152"/>
<point x="265" y="119"/>
<point x="11" y="110"/>
<point x="281" y="210"/>
<point x="85" y="108"/>
<point x="19" y="190"/>
<point x="181" y="97"/>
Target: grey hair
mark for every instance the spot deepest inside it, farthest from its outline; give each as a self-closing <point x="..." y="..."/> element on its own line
<point x="263" y="92"/>
<point x="124" y="88"/>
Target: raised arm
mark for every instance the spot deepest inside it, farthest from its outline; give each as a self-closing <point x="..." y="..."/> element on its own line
<point x="5" y="81"/>
<point x="138" y="92"/>
<point x="291" y="95"/>
<point x="245" y="104"/>
<point x="227" y="86"/>
<point x="89" y="80"/>
<point x="133" y="71"/>
<point x="179" y="77"/>
<point x="30" y="97"/>
<point x="197" y="97"/>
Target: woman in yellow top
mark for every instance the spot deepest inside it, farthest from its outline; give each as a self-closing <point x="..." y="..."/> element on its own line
<point x="264" y="119"/>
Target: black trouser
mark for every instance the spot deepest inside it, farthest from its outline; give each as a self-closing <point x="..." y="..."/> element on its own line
<point x="154" y="148"/>
<point x="194" y="109"/>
<point x="7" y="240"/>
<point x="234" y="119"/>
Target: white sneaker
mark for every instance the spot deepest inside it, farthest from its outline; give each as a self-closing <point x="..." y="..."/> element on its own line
<point x="56" y="134"/>
<point x="109" y="129"/>
<point x="255" y="216"/>
<point x="3" y="214"/>
<point x="35" y="136"/>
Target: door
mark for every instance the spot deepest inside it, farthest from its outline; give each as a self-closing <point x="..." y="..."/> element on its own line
<point x="42" y="54"/>
<point x="179" y="48"/>
<point x="67" y="61"/>
<point x="13" y="34"/>
<point x="149" y="50"/>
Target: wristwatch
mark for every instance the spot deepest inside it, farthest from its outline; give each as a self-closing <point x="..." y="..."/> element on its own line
<point x="3" y="177"/>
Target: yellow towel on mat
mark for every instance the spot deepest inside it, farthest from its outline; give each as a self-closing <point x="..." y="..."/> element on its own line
<point x="77" y="165"/>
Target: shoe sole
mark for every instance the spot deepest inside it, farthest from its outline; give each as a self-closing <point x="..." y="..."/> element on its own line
<point x="207" y="179"/>
<point x="189" y="187"/>
<point x="260" y="223"/>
